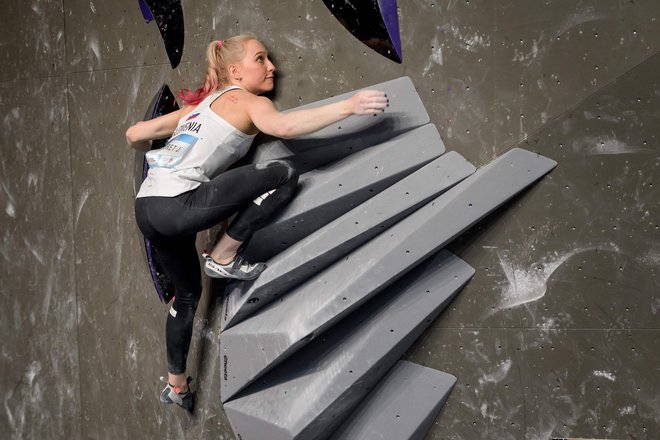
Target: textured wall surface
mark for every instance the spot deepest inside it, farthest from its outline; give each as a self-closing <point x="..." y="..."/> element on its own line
<point x="556" y="335"/>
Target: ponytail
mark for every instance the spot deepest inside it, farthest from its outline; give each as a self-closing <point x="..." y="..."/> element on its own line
<point x="219" y="55"/>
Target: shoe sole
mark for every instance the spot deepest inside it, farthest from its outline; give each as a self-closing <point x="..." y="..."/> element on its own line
<point x="187" y="401"/>
<point x="221" y="273"/>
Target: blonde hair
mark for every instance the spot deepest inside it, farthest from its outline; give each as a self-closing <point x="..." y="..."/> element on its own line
<point x="219" y="55"/>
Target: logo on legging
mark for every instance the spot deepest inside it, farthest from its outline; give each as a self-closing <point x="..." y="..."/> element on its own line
<point x="262" y="197"/>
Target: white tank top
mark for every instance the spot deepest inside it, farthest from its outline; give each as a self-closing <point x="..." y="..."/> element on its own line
<point x="202" y="146"/>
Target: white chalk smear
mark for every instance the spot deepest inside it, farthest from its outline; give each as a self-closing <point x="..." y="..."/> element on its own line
<point x="605" y="374"/>
<point x="33" y="370"/>
<point x="32" y="247"/>
<point x="435" y="58"/>
<point x="527" y="57"/>
<point x="33" y="179"/>
<point x="603" y="117"/>
<point x="594" y="146"/>
<point x="528" y="284"/>
<point x="83" y="199"/>
<point x="299" y="42"/>
<point x="474" y="41"/>
<point x="436" y="55"/>
<point x="94" y="47"/>
<point x="651" y="257"/>
<point x="132" y="351"/>
<point x="559" y="320"/>
<point x="584" y="16"/>
<point x="51" y="278"/>
<point x="496" y="376"/>
<point x="10" y="209"/>
<point x="627" y="410"/>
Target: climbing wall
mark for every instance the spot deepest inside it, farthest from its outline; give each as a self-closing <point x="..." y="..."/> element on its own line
<point x="555" y="334"/>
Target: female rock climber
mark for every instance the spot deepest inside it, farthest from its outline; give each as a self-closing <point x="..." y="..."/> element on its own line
<point x="189" y="189"/>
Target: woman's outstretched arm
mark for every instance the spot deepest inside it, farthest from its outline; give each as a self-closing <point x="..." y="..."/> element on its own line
<point x="269" y="120"/>
<point x="140" y="135"/>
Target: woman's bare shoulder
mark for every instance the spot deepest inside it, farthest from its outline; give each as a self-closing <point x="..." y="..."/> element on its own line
<point x="233" y="106"/>
<point x="248" y="98"/>
<point x="236" y="98"/>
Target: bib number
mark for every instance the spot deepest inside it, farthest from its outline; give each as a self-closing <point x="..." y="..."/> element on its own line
<point x="172" y="153"/>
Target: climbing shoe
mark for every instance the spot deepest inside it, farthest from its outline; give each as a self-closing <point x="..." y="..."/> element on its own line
<point x="170" y="395"/>
<point x="239" y="269"/>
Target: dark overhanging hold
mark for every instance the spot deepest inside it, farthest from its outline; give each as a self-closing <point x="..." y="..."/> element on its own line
<point x="373" y="22"/>
<point x="162" y="104"/>
<point x="168" y="15"/>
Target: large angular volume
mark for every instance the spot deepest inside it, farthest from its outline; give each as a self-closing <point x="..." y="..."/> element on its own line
<point x="326" y="194"/>
<point x="257" y="344"/>
<point x="325" y="246"/>
<point x="402" y="407"/>
<point x="308" y="396"/>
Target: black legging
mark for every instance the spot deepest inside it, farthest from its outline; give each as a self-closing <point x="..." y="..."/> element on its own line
<point x="171" y="225"/>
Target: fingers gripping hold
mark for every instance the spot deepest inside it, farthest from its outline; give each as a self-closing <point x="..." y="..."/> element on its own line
<point x="369" y="101"/>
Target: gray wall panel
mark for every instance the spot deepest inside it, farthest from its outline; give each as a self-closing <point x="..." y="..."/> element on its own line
<point x="551" y="55"/>
<point x="31" y="40"/>
<point x="544" y="383"/>
<point x="488" y="400"/>
<point x="580" y="249"/>
<point x="39" y="345"/>
<point x="589" y="383"/>
<point x="108" y="35"/>
<point x="448" y="54"/>
<point x="583" y="241"/>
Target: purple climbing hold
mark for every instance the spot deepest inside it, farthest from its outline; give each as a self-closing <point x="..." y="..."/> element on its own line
<point x="146" y="12"/>
<point x="162" y="103"/>
<point x="388" y="10"/>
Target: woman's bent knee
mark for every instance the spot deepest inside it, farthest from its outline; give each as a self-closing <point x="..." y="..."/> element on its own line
<point x="288" y="169"/>
<point x="291" y="171"/>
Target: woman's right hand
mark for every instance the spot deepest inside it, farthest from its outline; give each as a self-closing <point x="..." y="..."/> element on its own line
<point x="267" y="119"/>
<point x="368" y="102"/>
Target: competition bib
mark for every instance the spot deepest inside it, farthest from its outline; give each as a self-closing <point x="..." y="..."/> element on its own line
<point x="172" y="153"/>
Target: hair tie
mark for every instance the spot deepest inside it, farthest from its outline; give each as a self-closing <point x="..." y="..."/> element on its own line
<point x="219" y="43"/>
